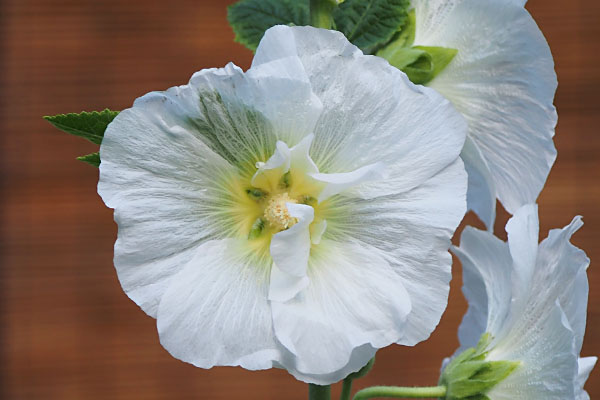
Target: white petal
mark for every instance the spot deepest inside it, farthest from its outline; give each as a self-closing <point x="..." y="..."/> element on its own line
<point x="317" y="229"/>
<point x="413" y="230"/>
<point x="523" y="235"/>
<point x="215" y="312"/>
<point x="339" y="182"/>
<point x="585" y="366"/>
<point x="548" y="362"/>
<point x="300" y="158"/>
<point x="382" y="117"/>
<point x="253" y="110"/>
<point x="487" y="267"/>
<point x="164" y="184"/>
<point x="503" y="81"/>
<point x="292" y="108"/>
<point x="277" y="165"/>
<point x="561" y="272"/>
<point x="481" y="196"/>
<point x="359" y="358"/>
<point x="290" y="250"/>
<point x="354" y="299"/>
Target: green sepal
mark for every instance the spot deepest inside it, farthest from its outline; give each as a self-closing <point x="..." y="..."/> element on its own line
<point x="249" y="19"/>
<point x="440" y="57"/>
<point x="420" y="63"/>
<point x="370" y="24"/>
<point x="470" y="376"/>
<point x="88" y="125"/>
<point x="256" y="230"/>
<point x="92" y="159"/>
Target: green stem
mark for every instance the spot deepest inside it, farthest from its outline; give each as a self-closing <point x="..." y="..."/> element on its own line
<point x="346" y="389"/>
<point x="320" y="13"/>
<point x="400" y="392"/>
<point x="316" y="392"/>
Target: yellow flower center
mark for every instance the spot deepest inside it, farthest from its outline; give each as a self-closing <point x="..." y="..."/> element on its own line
<point x="276" y="211"/>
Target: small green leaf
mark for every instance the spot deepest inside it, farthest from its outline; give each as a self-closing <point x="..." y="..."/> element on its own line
<point x="251" y="18"/>
<point x="371" y="23"/>
<point x="92" y="159"/>
<point x="88" y="125"/>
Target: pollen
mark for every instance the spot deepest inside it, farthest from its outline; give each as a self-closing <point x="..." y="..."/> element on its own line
<point x="276" y="211"/>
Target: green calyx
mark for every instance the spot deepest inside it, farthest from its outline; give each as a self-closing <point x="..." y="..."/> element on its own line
<point x="420" y="63"/>
<point x="470" y="376"/>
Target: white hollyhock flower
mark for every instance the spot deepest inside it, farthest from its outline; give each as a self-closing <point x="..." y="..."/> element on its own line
<point x="502" y="80"/>
<point x="296" y="215"/>
<point x="532" y="300"/>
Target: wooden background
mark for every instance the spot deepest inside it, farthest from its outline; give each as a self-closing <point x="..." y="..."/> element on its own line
<point x="67" y="330"/>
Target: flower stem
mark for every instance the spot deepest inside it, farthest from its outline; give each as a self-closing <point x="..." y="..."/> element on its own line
<point x="317" y="392"/>
<point x="400" y="392"/>
<point x="320" y="13"/>
<point x="346" y="389"/>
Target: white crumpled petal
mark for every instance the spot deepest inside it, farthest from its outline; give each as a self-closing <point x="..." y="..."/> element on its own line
<point x="290" y="250"/>
<point x="355" y="298"/>
<point x="532" y="299"/>
<point x="548" y="363"/>
<point x="380" y="118"/>
<point x="503" y="81"/>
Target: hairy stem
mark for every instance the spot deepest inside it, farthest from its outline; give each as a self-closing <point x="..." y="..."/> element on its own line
<point x="401" y="392"/>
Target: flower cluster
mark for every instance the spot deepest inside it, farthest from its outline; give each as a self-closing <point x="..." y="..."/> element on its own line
<point x="299" y="214"/>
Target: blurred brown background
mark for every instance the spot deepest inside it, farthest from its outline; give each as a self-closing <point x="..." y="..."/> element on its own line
<point x="67" y="330"/>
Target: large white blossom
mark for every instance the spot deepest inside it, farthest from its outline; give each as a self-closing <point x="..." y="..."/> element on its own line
<point x="533" y="301"/>
<point x="296" y="215"/>
<point x="502" y="80"/>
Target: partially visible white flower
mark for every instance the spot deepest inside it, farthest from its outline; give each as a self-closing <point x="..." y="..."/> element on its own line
<point x="532" y="300"/>
<point x="297" y="215"/>
<point x="502" y="80"/>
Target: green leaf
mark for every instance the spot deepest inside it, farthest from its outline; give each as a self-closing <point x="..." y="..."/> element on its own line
<point x="88" y="125"/>
<point x="92" y="159"/>
<point x="371" y="23"/>
<point x="251" y="18"/>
